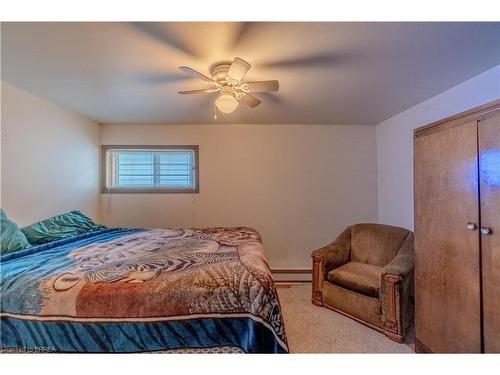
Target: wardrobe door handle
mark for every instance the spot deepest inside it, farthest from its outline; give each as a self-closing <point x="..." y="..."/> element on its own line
<point x="470" y="226"/>
<point x="485" y="230"/>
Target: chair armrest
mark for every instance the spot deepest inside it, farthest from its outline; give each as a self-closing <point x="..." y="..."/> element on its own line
<point x="331" y="256"/>
<point x="402" y="264"/>
<point x="335" y="254"/>
<point x="326" y="259"/>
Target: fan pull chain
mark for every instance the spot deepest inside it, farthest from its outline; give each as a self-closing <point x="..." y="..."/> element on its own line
<point x="215" y="112"/>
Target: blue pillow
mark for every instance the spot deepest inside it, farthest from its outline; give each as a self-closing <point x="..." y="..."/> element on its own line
<point x="58" y="227"/>
<point x="11" y="237"/>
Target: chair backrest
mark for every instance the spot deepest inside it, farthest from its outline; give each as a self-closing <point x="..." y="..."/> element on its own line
<point x="376" y="244"/>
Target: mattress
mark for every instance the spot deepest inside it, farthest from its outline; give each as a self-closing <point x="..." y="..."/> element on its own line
<point x="142" y="290"/>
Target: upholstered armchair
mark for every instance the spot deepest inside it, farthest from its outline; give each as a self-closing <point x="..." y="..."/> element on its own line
<point x="367" y="274"/>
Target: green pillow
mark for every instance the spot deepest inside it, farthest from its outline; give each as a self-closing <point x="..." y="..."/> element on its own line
<point x="58" y="227"/>
<point x="11" y="237"/>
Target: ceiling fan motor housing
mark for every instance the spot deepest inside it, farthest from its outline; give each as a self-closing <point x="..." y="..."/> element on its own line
<point x="227" y="101"/>
<point x="219" y="70"/>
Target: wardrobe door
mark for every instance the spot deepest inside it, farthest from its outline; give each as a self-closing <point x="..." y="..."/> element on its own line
<point x="489" y="167"/>
<point x="447" y="269"/>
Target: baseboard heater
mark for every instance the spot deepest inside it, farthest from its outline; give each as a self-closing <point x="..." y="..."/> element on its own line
<point x="292" y="275"/>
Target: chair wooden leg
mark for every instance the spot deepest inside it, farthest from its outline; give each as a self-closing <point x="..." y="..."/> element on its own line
<point x="317" y="293"/>
<point x="316" y="302"/>
<point x="393" y="324"/>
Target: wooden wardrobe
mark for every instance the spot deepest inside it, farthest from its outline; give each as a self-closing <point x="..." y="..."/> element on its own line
<point x="457" y="233"/>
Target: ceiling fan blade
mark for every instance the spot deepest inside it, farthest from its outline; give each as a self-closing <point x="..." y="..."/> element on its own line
<point x="201" y="91"/>
<point x="238" y="69"/>
<point x="159" y="78"/>
<point x="162" y="32"/>
<point x="322" y="59"/>
<point x="196" y="74"/>
<point x="250" y="100"/>
<point x="263" y="86"/>
<point x="242" y="31"/>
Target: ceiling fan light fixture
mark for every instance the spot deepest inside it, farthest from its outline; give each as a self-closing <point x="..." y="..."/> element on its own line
<point x="226" y="103"/>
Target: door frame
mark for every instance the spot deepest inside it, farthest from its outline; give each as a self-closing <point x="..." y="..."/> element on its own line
<point x="474" y="114"/>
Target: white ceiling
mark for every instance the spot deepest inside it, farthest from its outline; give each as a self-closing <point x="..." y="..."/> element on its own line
<point x="329" y="73"/>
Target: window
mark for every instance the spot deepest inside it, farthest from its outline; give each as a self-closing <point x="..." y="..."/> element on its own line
<point x="149" y="169"/>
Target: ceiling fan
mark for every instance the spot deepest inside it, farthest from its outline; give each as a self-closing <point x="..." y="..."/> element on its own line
<point x="228" y="79"/>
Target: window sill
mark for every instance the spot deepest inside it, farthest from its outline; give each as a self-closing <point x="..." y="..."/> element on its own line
<point x="150" y="191"/>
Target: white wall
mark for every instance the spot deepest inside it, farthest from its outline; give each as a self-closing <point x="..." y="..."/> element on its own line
<point x="299" y="185"/>
<point x="395" y="142"/>
<point x="50" y="159"/>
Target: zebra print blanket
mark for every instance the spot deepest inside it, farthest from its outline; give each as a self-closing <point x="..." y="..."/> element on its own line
<point x="138" y="290"/>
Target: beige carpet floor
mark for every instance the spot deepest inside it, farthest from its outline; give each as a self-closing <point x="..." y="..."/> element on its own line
<point x="313" y="329"/>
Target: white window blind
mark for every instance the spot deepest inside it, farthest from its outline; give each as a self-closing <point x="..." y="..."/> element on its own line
<point x="162" y="169"/>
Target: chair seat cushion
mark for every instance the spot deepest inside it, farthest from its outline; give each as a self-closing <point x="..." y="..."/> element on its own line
<point x="359" y="277"/>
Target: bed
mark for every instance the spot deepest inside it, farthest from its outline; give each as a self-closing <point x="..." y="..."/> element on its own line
<point x="142" y="290"/>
